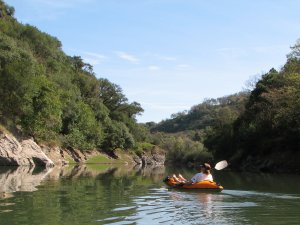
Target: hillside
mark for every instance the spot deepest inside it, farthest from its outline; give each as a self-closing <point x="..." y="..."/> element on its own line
<point x="185" y="133"/>
<point x="210" y="113"/>
<point x="57" y="99"/>
<point x="257" y="131"/>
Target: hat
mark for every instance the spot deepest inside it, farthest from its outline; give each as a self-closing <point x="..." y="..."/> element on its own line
<point x="206" y="166"/>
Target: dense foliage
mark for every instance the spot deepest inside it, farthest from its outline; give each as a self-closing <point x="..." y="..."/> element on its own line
<point x="271" y="122"/>
<point x="211" y="113"/>
<point x="51" y="96"/>
<point x="262" y="124"/>
<point x="189" y="130"/>
<point x="268" y="129"/>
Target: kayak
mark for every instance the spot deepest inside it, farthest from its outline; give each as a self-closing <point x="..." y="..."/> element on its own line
<point x="205" y="185"/>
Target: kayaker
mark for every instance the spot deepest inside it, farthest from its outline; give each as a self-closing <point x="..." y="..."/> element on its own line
<point x="203" y="175"/>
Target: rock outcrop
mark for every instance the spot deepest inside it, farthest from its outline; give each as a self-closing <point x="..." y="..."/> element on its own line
<point x="150" y="157"/>
<point x="29" y="153"/>
<point x="26" y="153"/>
<point x="154" y="157"/>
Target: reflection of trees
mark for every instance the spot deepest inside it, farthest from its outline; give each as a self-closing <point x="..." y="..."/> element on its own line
<point x="15" y="179"/>
<point x="258" y="181"/>
<point x="81" y="192"/>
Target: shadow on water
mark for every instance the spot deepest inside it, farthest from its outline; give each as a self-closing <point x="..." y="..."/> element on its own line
<point x="262" y="182"/>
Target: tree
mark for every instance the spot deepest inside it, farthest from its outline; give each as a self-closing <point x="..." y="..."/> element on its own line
<point x="42" y="119"/>
<point x="83" y="131"/>
<point x="118" y="136"/>
<point x="52" y="96"/>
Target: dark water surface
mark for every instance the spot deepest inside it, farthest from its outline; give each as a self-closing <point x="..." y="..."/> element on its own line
<point x="123" y="195"/>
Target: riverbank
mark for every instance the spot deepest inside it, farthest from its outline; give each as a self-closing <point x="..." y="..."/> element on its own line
<point x="274" y="162"/>
<point x="27" y="152"/>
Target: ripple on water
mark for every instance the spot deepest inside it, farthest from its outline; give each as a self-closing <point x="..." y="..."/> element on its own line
<point x="162" y="206"/>
<point x="4" y="205"/>
<point x="7" y="204"/>
<point x="124" y="208"/>
<point x="6" y="210"/>
<point x="240" y="193"/>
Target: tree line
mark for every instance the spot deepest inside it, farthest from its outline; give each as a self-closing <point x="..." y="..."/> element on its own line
<point x="56" y="98"/>
<point x="263" y="123"/>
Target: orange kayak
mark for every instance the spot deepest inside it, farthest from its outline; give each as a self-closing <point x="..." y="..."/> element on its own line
<point x="206" y="185"/>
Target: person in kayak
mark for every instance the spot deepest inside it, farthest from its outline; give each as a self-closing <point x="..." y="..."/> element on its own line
<point x="203" y="175"/>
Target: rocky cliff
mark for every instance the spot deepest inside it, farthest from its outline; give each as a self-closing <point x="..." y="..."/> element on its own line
<point x="24" y="153"/>
<point x="15" y="152"/>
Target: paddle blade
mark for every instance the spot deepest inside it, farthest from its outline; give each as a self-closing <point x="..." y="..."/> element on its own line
<point x="221" y="165"/>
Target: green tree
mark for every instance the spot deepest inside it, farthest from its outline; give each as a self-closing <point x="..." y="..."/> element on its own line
<point x="117" y="136"/>
<point x="42" y="118"/>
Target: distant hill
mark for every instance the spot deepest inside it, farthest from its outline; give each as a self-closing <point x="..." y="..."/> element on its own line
<point x="210" y="113"/>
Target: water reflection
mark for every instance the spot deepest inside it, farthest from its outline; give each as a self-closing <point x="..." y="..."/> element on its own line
<point x="263" y="182"/>
<point x="20" y="179"/>
<point x="124" y="194"/>
<point x="27" y="179"/>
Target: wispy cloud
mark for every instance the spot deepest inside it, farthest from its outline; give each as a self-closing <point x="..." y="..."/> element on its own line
<point x="183" y="66"/>
<point x="153" y="68"/>
<point x="167" y="58"/>
<point x="128" y="57"/>
<point x="93" y="58"/>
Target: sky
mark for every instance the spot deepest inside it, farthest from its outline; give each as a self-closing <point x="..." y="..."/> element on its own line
<point x="169" y="55"/>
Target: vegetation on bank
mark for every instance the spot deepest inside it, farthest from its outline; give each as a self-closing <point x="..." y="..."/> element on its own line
<point x="184" y="135"/>
<point x="261" y="123"/>
<point x="57" y="98"/>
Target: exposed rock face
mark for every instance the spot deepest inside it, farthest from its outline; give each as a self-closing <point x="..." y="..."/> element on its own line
<point x="9" y="150"/>
<point x="137" y="160"/>
<point x="26" y="153"/>
<point x="155" y="157"/>
<point x="29" y="153"/>
<point x="56" y="154"/>
<point x="32" y="154"/>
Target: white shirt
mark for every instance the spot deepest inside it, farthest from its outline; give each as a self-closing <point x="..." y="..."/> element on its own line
<point x="201" y="176"/>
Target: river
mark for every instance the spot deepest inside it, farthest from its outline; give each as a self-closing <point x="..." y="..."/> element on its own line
<point x="107" y="194"/>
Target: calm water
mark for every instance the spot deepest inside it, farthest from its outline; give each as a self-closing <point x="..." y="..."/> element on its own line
<point x="122" y="195"/>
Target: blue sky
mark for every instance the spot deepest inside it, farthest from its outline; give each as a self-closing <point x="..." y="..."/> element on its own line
<point x="169" y="55"/>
